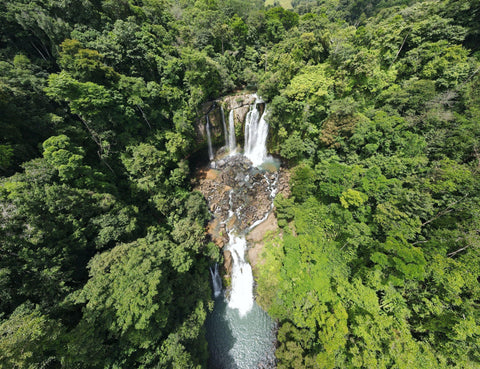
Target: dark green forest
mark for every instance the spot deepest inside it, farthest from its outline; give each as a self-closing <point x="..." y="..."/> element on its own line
<point x="374" y="107"/>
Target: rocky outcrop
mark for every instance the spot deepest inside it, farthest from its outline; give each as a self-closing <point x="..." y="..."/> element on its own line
<point x="239" y="103"/>
<point x="251" y="198"/>
<point x="238" y="196"/>
<point x="284" y="183"/>
<point x="256" y="240"/>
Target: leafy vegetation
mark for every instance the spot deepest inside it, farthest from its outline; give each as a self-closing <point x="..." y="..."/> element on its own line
<point x="374" y="106"/>
<point x="376" y="263"/>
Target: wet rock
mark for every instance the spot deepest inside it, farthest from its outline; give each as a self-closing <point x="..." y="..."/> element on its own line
<point x="227" y="261"/>
<point x="234" y="182"/>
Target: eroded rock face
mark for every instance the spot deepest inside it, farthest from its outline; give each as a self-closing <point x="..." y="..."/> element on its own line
<point x="239" y="196"/>
<point x="239" y="103"/>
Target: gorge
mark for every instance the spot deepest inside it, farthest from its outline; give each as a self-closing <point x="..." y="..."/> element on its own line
<point x="240" y="192"/>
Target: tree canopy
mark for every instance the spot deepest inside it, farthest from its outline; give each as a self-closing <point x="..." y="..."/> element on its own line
<point x="374" y="109"/>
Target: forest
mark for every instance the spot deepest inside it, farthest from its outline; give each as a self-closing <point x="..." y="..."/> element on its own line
<point x="374" y="108"/>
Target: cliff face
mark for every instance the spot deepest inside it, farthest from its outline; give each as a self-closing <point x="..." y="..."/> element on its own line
<point x="240" y="104"/>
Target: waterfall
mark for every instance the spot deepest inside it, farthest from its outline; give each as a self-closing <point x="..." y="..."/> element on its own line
<point x="216" y="280"/>
<point x="241" y="296"/>
<point x="240" y="334"/>
<point x="256" y="132"/>
<point x="209" y="139"/>
<point x="225" y="132"/>
<point x="232" y="144"/>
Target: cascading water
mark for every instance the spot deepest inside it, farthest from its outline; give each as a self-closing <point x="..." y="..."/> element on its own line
<point x="241" y="294"/>
<point x="209" y="139"/>
<point x="240" y="334"/>
<point x="225" y="132"/>
<point x="216" y="280"/>
<point x="256" y="132"/>
<point x="232" y="144"/>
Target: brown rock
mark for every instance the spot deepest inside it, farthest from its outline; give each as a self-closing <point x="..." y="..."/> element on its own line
<point x="256" y="238"/>
<point x="227" y="261"/>
<point x="258" y="233"/>
<point x="211" y="174"/>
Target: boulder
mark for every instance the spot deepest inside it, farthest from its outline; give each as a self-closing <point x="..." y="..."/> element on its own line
<point x="227" y="261"/>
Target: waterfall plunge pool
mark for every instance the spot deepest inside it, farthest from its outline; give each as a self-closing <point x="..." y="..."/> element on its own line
<point x="240" y="342"/>
<point x="240" y="334"/>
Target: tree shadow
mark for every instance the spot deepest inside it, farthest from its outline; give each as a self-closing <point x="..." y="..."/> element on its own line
<point x="220" y="337"/>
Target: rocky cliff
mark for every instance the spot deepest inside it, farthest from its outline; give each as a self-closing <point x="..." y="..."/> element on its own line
<point x="239" y="103"/>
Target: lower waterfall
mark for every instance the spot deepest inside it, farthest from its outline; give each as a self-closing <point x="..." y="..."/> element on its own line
<point x="240" y="334"/>
<point x="216" y="280"/>
<point x="241" y="295"/>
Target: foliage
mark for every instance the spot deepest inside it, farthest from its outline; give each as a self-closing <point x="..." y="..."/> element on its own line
<point x="373" y="105"/>
<point x="381" y="203"/>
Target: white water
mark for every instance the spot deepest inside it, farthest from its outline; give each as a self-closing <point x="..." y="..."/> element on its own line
<point x="209" y="139"/>
<point x="241" y="296"/>
<point x="225" y="132"/>
<point x="216" y="281"/>
<point x="240" y="334"/>
<point x="232" y="144"/>
<point x="256" y="132"/>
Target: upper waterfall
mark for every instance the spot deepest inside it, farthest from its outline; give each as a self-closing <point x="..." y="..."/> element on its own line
<point x="256" y="132"/>
<point x="209" y="139"/>
<point x="232" y="144"/>
<point x="225" y="132"/>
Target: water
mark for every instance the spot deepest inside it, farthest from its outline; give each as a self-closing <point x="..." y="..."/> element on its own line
<point x="216" y="280"/>
<point x="232" y="144"/>
<point x="256" y="133"/>
<point x="209" y="139"/>
<point x="241" y="295"/>
<point x="240" y="334"/>
<point x="237" y="342"/>
<point x="225" y="132"/>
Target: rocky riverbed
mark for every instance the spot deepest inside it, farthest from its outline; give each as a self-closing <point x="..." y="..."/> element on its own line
<point x="239" y="197"/>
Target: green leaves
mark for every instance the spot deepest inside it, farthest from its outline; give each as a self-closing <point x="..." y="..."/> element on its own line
<point x="28" y="339"/>
<point x="352" y="198"/>
<point x="127" y="290"/>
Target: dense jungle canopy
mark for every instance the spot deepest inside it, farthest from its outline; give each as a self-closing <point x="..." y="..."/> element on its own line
<point x="374" y="106"/>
